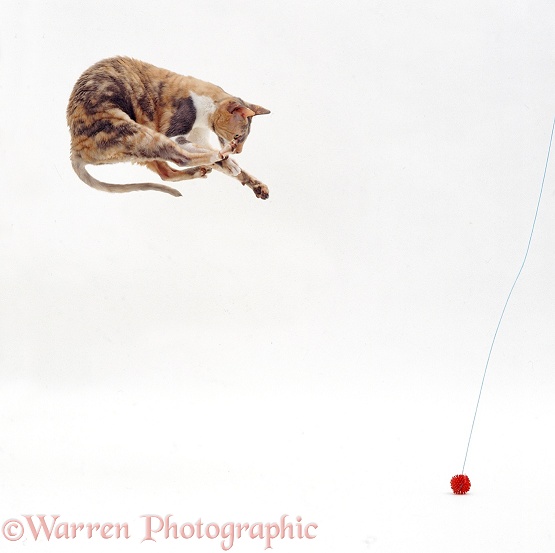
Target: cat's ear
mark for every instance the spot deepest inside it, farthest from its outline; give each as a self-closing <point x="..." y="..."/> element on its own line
<point x="239" y="109"/>
<point x="245" y="109"/>
<point x="258" y="110"/>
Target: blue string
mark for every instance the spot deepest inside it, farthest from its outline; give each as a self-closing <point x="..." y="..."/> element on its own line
<point x="510" y="294"/>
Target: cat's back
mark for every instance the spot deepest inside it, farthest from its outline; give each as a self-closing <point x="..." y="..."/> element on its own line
<point x="139" y="89"/>
<point x="126" y="72"/>
<point x="120" y="82"/>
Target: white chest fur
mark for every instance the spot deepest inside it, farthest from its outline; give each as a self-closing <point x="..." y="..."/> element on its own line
<point x="205" y="107"/>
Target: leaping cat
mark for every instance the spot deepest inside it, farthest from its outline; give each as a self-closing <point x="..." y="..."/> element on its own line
<point x="122" y="109"/>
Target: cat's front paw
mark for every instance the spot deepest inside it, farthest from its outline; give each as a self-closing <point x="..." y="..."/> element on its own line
<point x="229" y="148"/>
<point x="261" y="191"/>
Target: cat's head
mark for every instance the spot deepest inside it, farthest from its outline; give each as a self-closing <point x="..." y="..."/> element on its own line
<point x="232" y="121"/>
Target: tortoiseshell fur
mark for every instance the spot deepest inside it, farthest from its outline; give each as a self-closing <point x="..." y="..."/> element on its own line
<point x="123" y="109"/>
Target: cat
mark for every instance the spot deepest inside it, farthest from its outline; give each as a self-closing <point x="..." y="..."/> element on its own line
<point x="123" y="109"/>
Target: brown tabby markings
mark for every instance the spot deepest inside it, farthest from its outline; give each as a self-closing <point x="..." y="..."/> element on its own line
<point x="123" y="109"/>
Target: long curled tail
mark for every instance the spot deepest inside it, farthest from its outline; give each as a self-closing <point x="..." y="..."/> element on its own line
<point x="79" y="167"/>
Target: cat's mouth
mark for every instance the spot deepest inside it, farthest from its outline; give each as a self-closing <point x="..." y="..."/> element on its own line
<point x="229" y="148"/>
<point x="236" y="147"/>
<point x="232" y="147"/>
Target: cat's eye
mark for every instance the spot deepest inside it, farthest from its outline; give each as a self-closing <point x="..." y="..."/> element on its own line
<point x="237" y="137"/>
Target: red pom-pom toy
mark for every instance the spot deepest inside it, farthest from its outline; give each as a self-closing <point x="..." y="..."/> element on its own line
<point x="460" y="484"/>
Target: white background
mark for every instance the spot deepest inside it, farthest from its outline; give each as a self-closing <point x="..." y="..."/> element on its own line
<point x="318" y="354"/>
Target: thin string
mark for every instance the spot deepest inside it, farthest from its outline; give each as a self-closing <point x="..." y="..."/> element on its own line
<point x="510" y="294"/>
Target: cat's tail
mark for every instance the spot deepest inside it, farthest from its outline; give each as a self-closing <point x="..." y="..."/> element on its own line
<point x="79" y="167"/>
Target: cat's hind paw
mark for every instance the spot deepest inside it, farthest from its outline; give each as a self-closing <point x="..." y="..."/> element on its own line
<point x="203" y="171"/>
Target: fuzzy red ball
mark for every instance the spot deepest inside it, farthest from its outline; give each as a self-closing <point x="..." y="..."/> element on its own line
<point x="460" y="484"/>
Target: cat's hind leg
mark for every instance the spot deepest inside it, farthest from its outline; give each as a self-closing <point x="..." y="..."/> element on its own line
<point x="117" y="138"/>
<point x="167" y="173"/>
